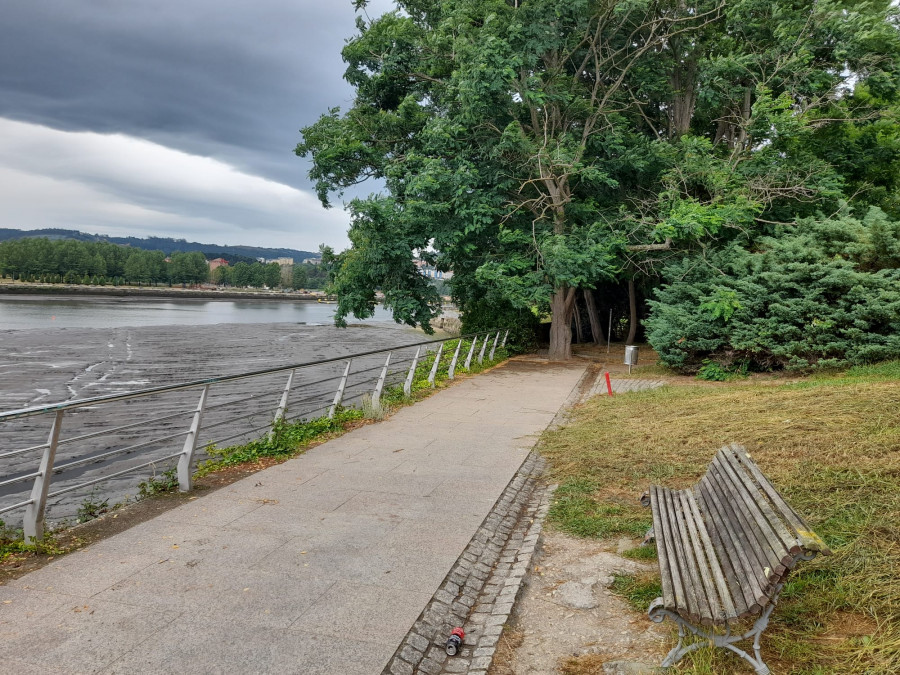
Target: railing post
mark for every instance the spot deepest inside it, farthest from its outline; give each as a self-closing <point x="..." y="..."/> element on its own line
<point x="376" y="395"/>
<point x="407" y="386"/>
<point x="452" y="368"/>
<point x="483" y="346"/>
<point x="494" y="346"/>
<point x="434" y="368"/>
<point x="33" y="524"/>
<point x="190" y="443"/>
<point x="282" y="404"/>
<point x="505" y="335"/>
<point x="339" y="394"/>
<point x="468" y="363"/>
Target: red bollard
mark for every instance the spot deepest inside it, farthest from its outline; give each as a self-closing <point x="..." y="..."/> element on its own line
<point x="608" y="384"/>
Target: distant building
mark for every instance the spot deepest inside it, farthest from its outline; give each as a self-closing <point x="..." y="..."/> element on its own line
<point x="217" y="262"/>
<point x="431" y="271"/>
<point x="312" y="261"/>
<point x="281" y="261"/>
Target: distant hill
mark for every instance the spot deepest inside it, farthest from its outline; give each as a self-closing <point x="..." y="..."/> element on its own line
<point x="165" y="244"/>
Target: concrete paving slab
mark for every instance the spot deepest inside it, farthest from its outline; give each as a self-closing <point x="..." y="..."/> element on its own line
<point x="318" y="565"/>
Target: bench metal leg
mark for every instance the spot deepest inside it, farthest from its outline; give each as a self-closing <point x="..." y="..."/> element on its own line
<point x="725" y="640"/>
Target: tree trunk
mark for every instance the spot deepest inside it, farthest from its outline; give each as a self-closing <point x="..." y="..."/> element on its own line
<point x="561" y="303"/>
<point x="593" y="317"/>
<point x="579" y="329"/>
<point x="632" y="313"/>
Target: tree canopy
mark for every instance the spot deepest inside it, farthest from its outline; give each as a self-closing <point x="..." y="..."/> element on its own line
<point x="536" y="147"/>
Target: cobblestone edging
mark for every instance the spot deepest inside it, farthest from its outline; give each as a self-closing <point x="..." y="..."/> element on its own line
<point x="479" y="592"/>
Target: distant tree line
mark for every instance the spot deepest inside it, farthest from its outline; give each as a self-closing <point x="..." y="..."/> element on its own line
<point x="70" y="261"/>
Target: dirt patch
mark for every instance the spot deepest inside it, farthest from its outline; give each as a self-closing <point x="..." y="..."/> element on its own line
<point x="568" y="621"/>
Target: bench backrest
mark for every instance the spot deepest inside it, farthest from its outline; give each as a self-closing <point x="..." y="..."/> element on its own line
<point x="728" y="542"/>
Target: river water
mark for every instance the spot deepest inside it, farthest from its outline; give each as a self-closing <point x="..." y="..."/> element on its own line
<point x="57" y="349"/>
<point x="23" y="312"/>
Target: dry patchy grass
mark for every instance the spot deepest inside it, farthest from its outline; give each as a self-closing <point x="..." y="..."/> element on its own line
<point x="831" y="444"/>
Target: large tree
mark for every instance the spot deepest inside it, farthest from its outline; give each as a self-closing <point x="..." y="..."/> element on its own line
<point x="537" y="147"/>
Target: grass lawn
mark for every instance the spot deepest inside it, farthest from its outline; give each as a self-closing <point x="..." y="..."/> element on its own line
<point x="830" y="444"/>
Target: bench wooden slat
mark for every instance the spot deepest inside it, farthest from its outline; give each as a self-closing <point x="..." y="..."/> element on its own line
<point x="704" y="565"/>
<point x="741" y="471"/>
<point x="746" y="539"/>
<point x="704" y="615"/>
<point x="768" y="548"/>
<point x="733" y="547"/>
<point x="726" y="605"/>
<point x="690" y="608"/>
<point x="809" y="539"/>
<point x="732" y="574"/>
<point x="678" y="600"/>
<point x="663" y="553"/>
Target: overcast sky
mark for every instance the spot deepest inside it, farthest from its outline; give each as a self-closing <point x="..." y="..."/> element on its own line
<point x="170" y="117"/>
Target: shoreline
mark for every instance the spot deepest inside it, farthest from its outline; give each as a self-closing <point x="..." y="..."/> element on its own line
<point x="151" y="292"/>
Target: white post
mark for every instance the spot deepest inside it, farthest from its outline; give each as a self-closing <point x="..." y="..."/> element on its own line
<point x="494" y="346"/>
<point x="452" y="368"/>
<point x="376" y="395"/>
<point x="505" y="335"/>
<point x="190" y="443"/>
<point x="282" y="404"/>
<point x="434" y="368"/>
<point x="483" y="347"/>
<point x="468" y="363"/>
<point x="34" y="513"/>
<point x="339" y="394"/>
<point x="407" y="386"/>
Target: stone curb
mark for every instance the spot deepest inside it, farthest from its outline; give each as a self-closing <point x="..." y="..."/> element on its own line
<point x="485" y="579"/>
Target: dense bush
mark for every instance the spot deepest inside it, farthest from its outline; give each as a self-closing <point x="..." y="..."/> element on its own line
<point x="821" y="293"/>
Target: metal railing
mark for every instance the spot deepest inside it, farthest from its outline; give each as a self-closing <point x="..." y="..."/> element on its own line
<point x="160" y="409"/>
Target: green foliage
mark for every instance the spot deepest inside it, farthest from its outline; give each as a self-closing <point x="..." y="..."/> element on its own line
<point x="12" y="541"/>
<point x="530" y="160"/>
<point x="92" y="507"/>
<point x="647" y="552"/>
<point x="639" y="591"/>
<point x="823" y="293"/>
<point x="165" y="483"/>
<point x="286" y="440"/>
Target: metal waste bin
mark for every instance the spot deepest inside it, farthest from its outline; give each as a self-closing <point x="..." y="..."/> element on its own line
<point x="631" y="357"/>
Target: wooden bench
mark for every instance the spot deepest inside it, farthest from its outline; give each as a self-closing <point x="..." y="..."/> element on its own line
<point x="725" y="547"/>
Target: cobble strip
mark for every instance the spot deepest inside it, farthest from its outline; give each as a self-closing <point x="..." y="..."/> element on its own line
<point x="478" y="583"/>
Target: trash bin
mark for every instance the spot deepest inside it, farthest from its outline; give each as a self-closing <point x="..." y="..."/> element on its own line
<point x="631" y="357"/>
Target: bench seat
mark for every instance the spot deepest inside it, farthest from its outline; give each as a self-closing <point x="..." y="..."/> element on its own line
<point x="725" y="547"/>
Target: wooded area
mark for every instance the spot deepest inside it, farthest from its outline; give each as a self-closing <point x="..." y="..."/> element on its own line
<point x="541" y="148"/>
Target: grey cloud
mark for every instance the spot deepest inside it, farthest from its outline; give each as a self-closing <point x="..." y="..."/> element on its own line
<point x="226" y="79"/>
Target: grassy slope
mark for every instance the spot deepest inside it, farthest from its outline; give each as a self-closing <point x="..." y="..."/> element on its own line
<point x="830" y="444"/>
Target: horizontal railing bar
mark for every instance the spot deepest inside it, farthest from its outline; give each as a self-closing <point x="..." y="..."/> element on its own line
<point x="302" y="415"/>
<point x="72" y="488"/>
<point x="80" y="403"/>
<point x="60" y="468"/>
<point x="249" y="397"/>
<point x="228" y="438"/>
<point x="231" y="420"/>
<point x="16" y="506"/>
<point x="12" y="453"/>
<point x="103" y="432"/>
<point x="302" y="384"/>
<point x="11" y="481"/>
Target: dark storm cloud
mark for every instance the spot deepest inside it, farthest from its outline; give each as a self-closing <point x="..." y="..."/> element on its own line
<point x="225" y="79"/>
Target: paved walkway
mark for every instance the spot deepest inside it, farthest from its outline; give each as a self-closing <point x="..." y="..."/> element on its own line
<point x="318" y="565"/>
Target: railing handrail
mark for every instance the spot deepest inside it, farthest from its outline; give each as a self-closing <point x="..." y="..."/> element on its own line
<point x="140" y="393"/>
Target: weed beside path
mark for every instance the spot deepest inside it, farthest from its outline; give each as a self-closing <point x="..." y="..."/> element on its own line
<point x="831" y="445"/>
